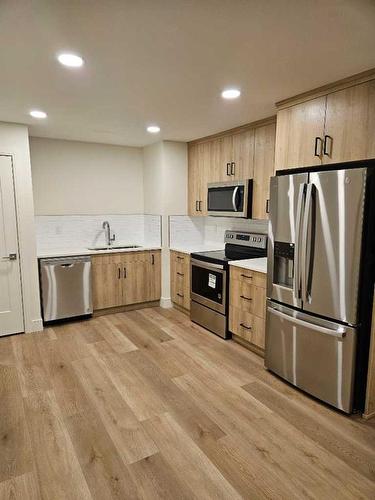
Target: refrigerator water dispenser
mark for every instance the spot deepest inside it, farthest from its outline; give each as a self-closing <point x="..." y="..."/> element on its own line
<point x="283" y="264"/>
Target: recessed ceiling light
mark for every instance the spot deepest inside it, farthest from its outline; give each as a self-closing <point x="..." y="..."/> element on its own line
<point x="153" y="129"/>
<point x="70" y="60"/>
<point x="36" y="113"/>
<point x="231" y="94"/>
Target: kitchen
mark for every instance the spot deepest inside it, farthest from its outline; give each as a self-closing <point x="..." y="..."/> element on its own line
<point x="187" y="284"/>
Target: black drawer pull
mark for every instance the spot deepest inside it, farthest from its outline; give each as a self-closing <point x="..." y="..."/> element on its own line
<point x="180" y="258"/>
<point x="180" y="294"/>
<point x="180" y="274"/>
<point x="228" y="169"/>
<point x="244" y="326"/>
<point x="247" y="277"/>
<point x="232" y="168"/>
<point x="246" y="298"/>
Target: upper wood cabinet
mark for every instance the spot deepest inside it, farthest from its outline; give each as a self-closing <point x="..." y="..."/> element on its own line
<point x="350" y="124"/>
<point x="338" y="126"/>
<point x="125" y="278"/>
<point x="244" y="154"/>
<point x="299" y="133"/>
<point x="198" y="171"/>
<point x="264" y="157"/>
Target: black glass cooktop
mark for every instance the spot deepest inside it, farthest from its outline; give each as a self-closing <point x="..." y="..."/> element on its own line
<point x="231" y="252"/>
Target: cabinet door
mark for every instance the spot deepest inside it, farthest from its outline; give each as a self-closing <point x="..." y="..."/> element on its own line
<point x="106" y="282"/>
<point x="193" y="180"/>
<point x="203" y="174"/>
<point x="350" y="124"/>
<point x="221" y="156"/>
<point x="264" y="159"/>
<point x="296" y="131"/>
<point x="243" y="155"/>
<point x="154" y="291"/>
<point x="180" y="279"/>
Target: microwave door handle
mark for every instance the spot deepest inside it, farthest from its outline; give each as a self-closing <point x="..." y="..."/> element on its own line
<point x="297" y="252"/>
<point x="305" y="231"/>
<point x="234" y="196"/>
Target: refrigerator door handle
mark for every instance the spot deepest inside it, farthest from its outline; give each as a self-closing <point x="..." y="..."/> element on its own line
<point x="297" y="248"/>
<point x="304" y="248"/>
<point x="339" y="333"/>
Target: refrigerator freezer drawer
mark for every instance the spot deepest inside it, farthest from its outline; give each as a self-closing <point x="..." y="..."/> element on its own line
<point x="316" y="355"/>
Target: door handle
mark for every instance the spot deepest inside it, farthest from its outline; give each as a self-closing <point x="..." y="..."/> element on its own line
<point x="234" y="198"/>
<point x="228" y="169"/>
<point x="297" y="249"/>
<point x="11" y="256"/>
<point x="339" y="333"/>
<point x="197" y="206"/>
<point x="232" y="168"/>
<point x="318" y="141"/>
<point x="152" y="259"/>
<point x="119" y="273"/>
<point x="325" y="149"/>
<point x="305" y="229"/>
<point x="200" y="206"/>
<point x="125" y="275"/>
<point x="267" y="206"/>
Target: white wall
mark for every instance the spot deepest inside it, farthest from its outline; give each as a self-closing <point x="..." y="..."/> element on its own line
<point x="71" y="177"/>
<point x="165" y="188"/>
<point x="14" y="140"/>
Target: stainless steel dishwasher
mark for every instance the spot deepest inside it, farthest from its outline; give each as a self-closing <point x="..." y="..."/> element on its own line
<point x="66" y="287"/>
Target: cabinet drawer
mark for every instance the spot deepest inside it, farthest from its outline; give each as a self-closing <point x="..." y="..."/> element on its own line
<point x="247" y="297"/>
<point x="180" y="279"/>
<point x="247" y="326"/>
<point x="252" y="277"/>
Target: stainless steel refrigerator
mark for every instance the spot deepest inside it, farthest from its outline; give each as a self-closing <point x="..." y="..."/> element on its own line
<point x="316" y="254"/>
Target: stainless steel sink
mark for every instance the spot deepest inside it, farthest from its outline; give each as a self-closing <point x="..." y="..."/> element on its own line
<point x="113" y="247"/>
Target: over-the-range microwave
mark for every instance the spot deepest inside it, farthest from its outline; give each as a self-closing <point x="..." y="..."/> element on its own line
<point x="230" y="199"/>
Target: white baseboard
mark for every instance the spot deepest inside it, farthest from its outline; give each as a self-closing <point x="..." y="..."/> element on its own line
<point x="35" y="326"/>
<point x="165" y="302"/>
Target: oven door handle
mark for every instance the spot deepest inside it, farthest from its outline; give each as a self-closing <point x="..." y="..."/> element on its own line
<point x="234" y="196"/>
<point x="206" y="265"/>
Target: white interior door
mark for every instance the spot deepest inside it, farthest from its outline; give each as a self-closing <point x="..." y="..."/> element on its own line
<point x="11" y="317"/>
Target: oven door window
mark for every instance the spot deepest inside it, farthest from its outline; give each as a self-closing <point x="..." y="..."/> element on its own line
<point x="207" y="283"/>
<point x="226" y="199"/>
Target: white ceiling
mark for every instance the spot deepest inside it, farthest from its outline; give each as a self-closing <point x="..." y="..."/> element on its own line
<point x="166" y="61"/>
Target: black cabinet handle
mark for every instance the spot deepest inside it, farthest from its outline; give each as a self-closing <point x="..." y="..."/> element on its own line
<point x="246" y="298"/>
<point x="244" y="326"/>
<point x="318" y="141"/>
<point x="246" y="276"/>
<point x="180" y="274"/>
<point x="228" y="169"/>
<point x="180" y="294"/>
<point x="152" y="259"/>
<point x="197" y="206"/>
<point x="119" y="273"/>
<point x="267" y="206"/>
<point x="125" y="275"/>
<point x="180" y="258"/>
<point x="200" y="205"/>
<point x="325" y="147"/>
<point x="232" y="168"/>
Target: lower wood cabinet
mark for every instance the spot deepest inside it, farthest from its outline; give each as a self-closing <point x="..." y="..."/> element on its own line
<point x="121" y="279"/>
<point x="180" y="279"/>
<point x="247" y="306"/>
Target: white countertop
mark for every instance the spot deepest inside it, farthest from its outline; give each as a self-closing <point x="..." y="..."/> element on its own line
<point x="197" y="248"/>
<point x="259" y="265"/>
<point x="86" y="251"/>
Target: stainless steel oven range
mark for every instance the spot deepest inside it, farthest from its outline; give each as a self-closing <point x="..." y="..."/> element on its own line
<point x="210" y="279"/>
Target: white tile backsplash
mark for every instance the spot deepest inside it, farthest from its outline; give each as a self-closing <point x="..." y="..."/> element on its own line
<point x="65" y="232"/>
<point x="190" y="231"/>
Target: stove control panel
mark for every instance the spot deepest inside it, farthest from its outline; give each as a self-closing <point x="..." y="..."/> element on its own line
<point x="246" y="239"/>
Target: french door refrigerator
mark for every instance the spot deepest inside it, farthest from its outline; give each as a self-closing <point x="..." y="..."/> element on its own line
<point x="320" y="281"/>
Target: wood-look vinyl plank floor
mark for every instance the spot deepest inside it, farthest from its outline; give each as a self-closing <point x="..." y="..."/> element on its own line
<point x="147" y="405"/>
